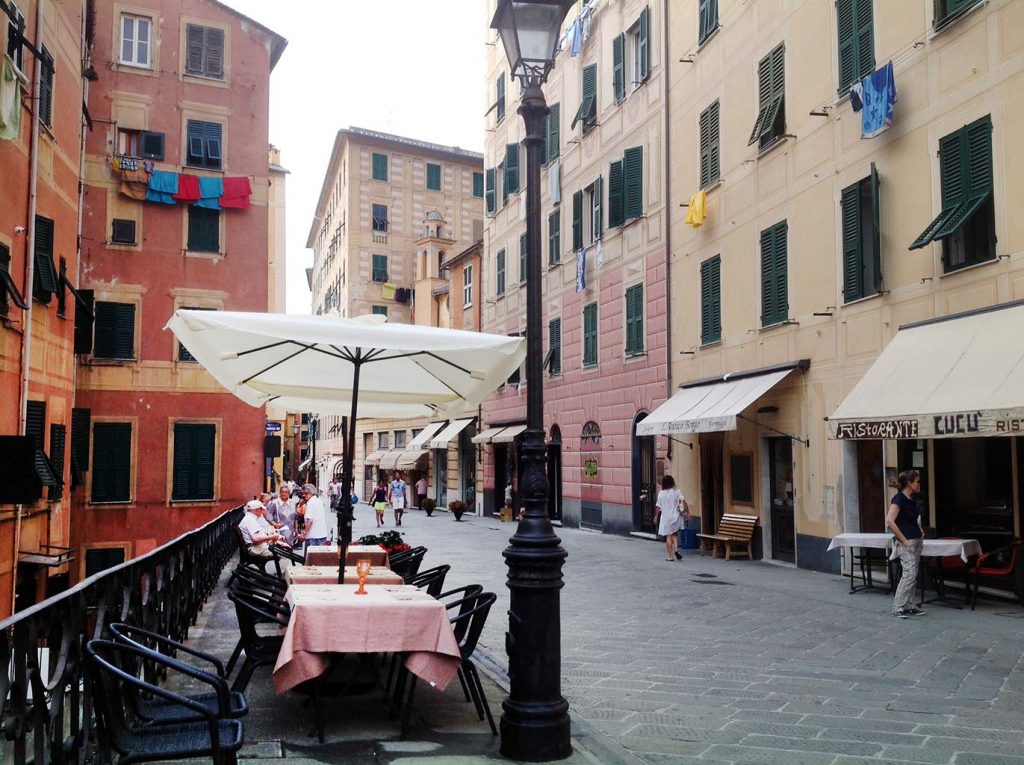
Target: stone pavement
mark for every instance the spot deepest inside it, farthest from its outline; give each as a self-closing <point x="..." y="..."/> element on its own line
<point x="700" y="661"/>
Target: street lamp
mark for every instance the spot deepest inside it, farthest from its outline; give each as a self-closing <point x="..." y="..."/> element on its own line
<point x="535" y="716"/>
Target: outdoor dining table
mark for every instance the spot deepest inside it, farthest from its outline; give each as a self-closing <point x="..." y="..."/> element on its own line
<point x="865" y="542"/>
<point x="327" y="555"/>
<point x="328" y="575"/>
<point x="942" y="548"/>
<point x="331" y="619"/>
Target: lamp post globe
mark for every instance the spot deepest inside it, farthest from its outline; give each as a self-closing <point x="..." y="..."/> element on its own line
<point x="535" y="716"/>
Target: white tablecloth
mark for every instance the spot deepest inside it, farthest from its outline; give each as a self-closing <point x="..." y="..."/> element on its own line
<point x="940" y="548"/>
<point x="850" y="539"/>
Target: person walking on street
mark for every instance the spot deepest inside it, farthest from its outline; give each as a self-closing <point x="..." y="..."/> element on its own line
<point x="421" y="491"/>
<point x="904" y="521"/>
<point x="380" y="501"/>
<point x="396" y="496"/>
<point x="673" y="512"/>
<point x="316" y="517"/>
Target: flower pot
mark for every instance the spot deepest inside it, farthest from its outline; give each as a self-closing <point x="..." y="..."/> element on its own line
<point x="458" y="514"/>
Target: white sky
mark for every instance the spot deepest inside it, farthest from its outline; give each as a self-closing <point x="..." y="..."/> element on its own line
<point x="410" y="67"/>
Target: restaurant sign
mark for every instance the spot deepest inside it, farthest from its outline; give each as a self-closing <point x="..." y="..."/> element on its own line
<point x="999" y="422"/>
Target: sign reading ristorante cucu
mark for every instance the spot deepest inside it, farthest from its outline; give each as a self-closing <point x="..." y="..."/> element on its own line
<point x="951" y="425"/>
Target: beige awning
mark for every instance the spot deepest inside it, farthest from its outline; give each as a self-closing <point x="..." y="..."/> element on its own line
<point x="453" y="429"/>
<point x="424" y="436"/>
<point x="389" y="460"/>
<point x="486" y="436"/>
<point x="373" y="457"/>
<point x="955" y="377"/>
<point x="508" y="435"/>
<point x="409" y="458"/>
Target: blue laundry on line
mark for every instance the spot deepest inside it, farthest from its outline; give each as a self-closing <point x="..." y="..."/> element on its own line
<point x="879" y="97"/>
<point x="162" y="187"/>
<point x="210" y="191"/>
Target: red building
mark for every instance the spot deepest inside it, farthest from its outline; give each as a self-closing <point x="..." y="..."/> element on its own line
<point x="175" y="216"/>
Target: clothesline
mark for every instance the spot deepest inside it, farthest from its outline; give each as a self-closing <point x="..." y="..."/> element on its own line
<point x="140" y="180"/>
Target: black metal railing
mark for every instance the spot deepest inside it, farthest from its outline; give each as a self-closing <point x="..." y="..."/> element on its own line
<point x="47" y="714"/>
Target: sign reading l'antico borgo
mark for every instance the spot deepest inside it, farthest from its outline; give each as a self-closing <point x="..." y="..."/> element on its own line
<point x="952" y="425"/>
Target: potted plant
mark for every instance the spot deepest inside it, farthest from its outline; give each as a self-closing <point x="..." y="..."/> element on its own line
<point x="391" y="541"/>
<point x="427" y="506"/>
<point x="457" y="507"/>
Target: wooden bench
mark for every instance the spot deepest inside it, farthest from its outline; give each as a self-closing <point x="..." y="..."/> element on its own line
<point x="733" y="529"/>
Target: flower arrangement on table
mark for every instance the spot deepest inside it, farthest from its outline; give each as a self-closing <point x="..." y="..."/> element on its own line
<point x="391" y="541"/>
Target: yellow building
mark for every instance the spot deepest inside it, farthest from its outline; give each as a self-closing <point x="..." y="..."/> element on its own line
<point x="820" y="243"/>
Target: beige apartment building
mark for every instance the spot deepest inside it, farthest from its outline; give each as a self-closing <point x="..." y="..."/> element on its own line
<point x="392" y="211"/>
<point x="820" y="244"/>
<point x="605" y="220"/>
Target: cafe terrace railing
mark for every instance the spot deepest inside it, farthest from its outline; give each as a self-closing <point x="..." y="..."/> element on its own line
<point x="47" y="714"/>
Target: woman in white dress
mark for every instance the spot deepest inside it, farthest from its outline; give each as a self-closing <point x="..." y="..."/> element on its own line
<point x="674" y="514"/>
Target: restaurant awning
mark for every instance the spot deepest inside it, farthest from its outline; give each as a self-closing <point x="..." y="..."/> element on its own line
<point x="714" y="405"/>
<point x="410" y="457"/>
<point x="373" y="457"/>
<point x="423" y="436"/>
<point x="451" y="431"/>
<point x="508" y="435"/>
<point x="487" y="435"/>
<point x="955" y="377"/>
<point x="389" y="459"/>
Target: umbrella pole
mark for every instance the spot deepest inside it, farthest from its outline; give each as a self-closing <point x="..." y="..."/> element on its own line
<point x="345" y="506"/>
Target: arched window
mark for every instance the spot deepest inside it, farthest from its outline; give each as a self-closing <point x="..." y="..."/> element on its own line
<point x="591" y="434"/>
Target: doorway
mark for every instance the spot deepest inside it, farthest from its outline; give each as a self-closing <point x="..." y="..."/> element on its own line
<point x="441" y="477"/>
<point x="871" y="486"/>
<point x="467" y="468"/>
<point x="502" y="477"/>
<point x="645" y="490"/>
<point x="555" y="474"/>
<point x="780" y="483"/>
<point x="712" y="481"/>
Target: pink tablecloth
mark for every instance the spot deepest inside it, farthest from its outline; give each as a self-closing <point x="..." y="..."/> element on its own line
<point x="327" y="555"/>
<point x="329" y="575"/>
<point x="330" y="619"/>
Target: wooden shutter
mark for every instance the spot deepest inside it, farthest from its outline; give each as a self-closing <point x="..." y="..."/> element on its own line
<point x="195" y="137"/>
<point x="768" y="309"/>
<point x="58" y="437"/>
<point x="499" y="272"/>
<point x="523" y="245"/>
<point x="780" y="285"/>
<point x="500" y="96"/>
<point x="764" y="96"/>
<point x="590" y="81"/>
<point x="644" y="44"/>
<point x="588" y="101"/>
<point x="876" y="229"/>
<point x="978" y="144"/>
<point x="511" y="169"/>
<point x="433" y="176"/>
<point x="590" y="334"/>
<point x="194" y="39"/>
<point x="615" y="194"/>
<point x="853" y="265"/>
<point x="552" y="135"/>
<point x="35" y="423"/>
<point x="80" y="424"/>
<point x="214" y="49"/>
<point x="597" y="216"/>
<point x="152" y="145"/>
<point x="111" y="462"/>
<point x="194" y="455"/>
<point x="124" y="330"/>
<point x="203" y="229"/>
<point x="634" y="320"/>
<point x="212" y="132"/>
<point x="633" y="183"/>
<point x="44" y="281"/>
<point x="707" y="19"/>
<point x="489" y="197"/>
<point x="854" y="23"/>
<point x="84" y="322"/>
<point x="714" y="152"/>
<point x="711" y="300"/>
<point x="865" y="37"/>
<point x="555" y="346"/>
<point x="577" y="220"/>
<point x="619" y="67"/>
<point x="46" y="88"/>
<point x="555" y="237"/>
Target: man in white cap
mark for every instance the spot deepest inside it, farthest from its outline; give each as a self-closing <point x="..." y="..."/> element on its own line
<point x="256" y="537"/>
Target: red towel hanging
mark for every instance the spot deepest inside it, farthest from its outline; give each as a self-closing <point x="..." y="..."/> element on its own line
<point x="237" y="192"/>
<point x="188" y="188"/>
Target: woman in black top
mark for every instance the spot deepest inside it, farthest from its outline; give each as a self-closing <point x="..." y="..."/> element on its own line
<point x="904" y="521"/>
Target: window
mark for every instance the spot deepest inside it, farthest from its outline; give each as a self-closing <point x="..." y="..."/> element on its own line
<point x="511" y="169"/>
<point x="523" y="247"/>
<point x="140" y="143"/>
<point x="862" y="271"/>
<point x="632" y="47"/>
<point x="44" y="280"/>
<point x="135" y="39"/>
<point x="84" y="321"/>
<point x="399" y="439"/>
<point x="554" y="364"/>
<point x="379" y="310"/>
<point x="203" y="229"/>
<point x="80" y="425"/>
<point x="774" y="286"/>
<point x="8" y="289"/>
<point x="111" y="461"/>
<point x="62" y="284"/>
<point x="204" y="51"/>
<point x="499" y="273"/>
<point x="619" y="67"/>
<point x="587" y="113"/>
<point x="499" y="97"/>
<point x="555" y="237"/>
<point x="380" y="268"/>
<point x="490" y="201"/>
<point x="115" y="331"/>
<point x="710" y="160"/>
<point x="380" y="217"/>
<point x="58" y="439"/>
<point x="947" y="11"/>
<point x="195" y="448"/>
<point x="551" y="148"/>
<point x="478" y="185"/>
<point x="635" y="320"/>
<point x="626" y="187"/>
<point x="590" y="335"/>
<point x="967" y="222"/>
<point x="382" y="441"/>
<point x="46" y="89"/>
<point x="467" y="286"/>
<point x="99" y="559"/>
<point x="203" y="145"/>
<point x="380" y="167"/>
<point x="15" y="36"/>
<point x="771" y="116"/>
<point x="711" y="300"/>
<point x="577" y="220"/>
<point x="707" y="19"/>
<point x="854" y="21"/>
<point x="433" y="176"/>
<point x="122" y="231"/>
<point x="592" y="204"/>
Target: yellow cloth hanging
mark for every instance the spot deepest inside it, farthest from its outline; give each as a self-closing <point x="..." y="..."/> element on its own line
<point x="387" y="291"/>
<point x="697" y="212"/>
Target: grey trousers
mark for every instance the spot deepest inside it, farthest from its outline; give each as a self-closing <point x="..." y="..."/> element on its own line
<point x="910" y="561"/>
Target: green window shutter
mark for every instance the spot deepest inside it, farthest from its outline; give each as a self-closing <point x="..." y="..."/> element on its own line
<point x="764" y="96"/>
<point x="577" y="220"/>
<point x="710" y="163"/>
<point x="771" y="82"/>
<point x="619" y="67"/>
<point x="615" y="194"/>
<point x="379" y="265"/>
<point x="865" y="37"/>
<point x="203" y="229"/>
<point x="58" y="437"/>
<point x="46" y="89"/>
<point x="590" y="335"/>
<point x="633" y="183"/>
<point x="774" y="287"/>
<point x="876" y="230"/>
<point x="478" y="185"/>
<point x="115" y="331"/>
<point x="489" y="195"/>
<point x="778" y="57"/>
<point x="853" y="264"/>
<point x="80" y="424"/>
<point x="708" y="19"/>
<point x="379" y="310"/>
<point x="555" y="347"/>
<point x="854" y="23"/>
<point x="380" y="167"/>
<point x="644" y="43"/>
<point x="44" y="280"/>
<point x="635" y="320"/>
<point x="597" y="223"/>
<point x="523" y="244"/>
<point x="511" y="169"/>
<point x="35" y="423"/>
<point x="979" y="157"/>
<point x="433" y="176"/>
<point x="499" y="92"/>
<point x="555" y="237"/>
<point x="84" y="322"/>
<point x="194" y="458"/>
<point x="711" y="300"/>
<point x="552" y="133"/>
<point x="588" y="103"/>
<point x="111" y="462"/>
<point x="499" y="272"/>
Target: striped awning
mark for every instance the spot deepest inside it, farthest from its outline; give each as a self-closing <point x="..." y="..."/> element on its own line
<point x="374" y="457"/>
<point x="409" y="458"/>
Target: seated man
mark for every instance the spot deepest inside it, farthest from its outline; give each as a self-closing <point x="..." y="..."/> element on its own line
<point x="257" y="537"/>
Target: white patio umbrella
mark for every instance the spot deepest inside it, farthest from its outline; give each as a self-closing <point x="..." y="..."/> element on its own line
<point x="363" y="367"/>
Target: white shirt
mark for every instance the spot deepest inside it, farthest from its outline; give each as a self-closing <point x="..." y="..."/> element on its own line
<point x="250" y="525"/>
<point x="316" y="519"/>
<point x="421" y="486"/>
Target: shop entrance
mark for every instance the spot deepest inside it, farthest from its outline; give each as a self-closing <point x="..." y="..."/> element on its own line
<point x="871" y="486"/>
<point x="712" y="481"/>
<point x="780" y="483"/>
<point x="441" y="477"/>
<point x="645" y="490"/>
<point x="555" y="474"/>
<point x="974" y="490"/>
<point x="467" y="468"/>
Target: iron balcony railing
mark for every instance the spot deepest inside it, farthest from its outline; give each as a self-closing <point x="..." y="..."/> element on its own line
<point x="47" y="714"/>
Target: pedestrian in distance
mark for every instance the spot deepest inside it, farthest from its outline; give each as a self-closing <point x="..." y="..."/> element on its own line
<point x="421" y="491"/>
<point x="380" y="501"/>
<point x="396" y="496"/>
<point x="904" y="521"/>
<point x="316" y="517"/>
<point x="674" y="514"/>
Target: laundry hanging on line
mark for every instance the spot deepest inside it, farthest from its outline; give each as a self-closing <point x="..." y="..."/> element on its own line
<point x="696" y="212"/>
<point x="875" y="98"/>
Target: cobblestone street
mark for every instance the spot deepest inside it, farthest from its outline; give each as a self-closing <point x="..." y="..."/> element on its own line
<point x="747" y="662"/>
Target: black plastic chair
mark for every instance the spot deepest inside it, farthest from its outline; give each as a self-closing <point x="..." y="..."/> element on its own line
<point x="431" y="580"/>
<point x="260" y="650"/>
<point x="400" y="557"/>
<point x="216" y="735"/>
<point x="160" y="712"/>
<point x="256" y="562"/>
<point x="408" y="567"/>
<point x="289" y="553"/>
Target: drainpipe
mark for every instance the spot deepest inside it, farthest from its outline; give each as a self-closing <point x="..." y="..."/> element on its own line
<point x="30" y="243"/>
<point x="670" y="209"/>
